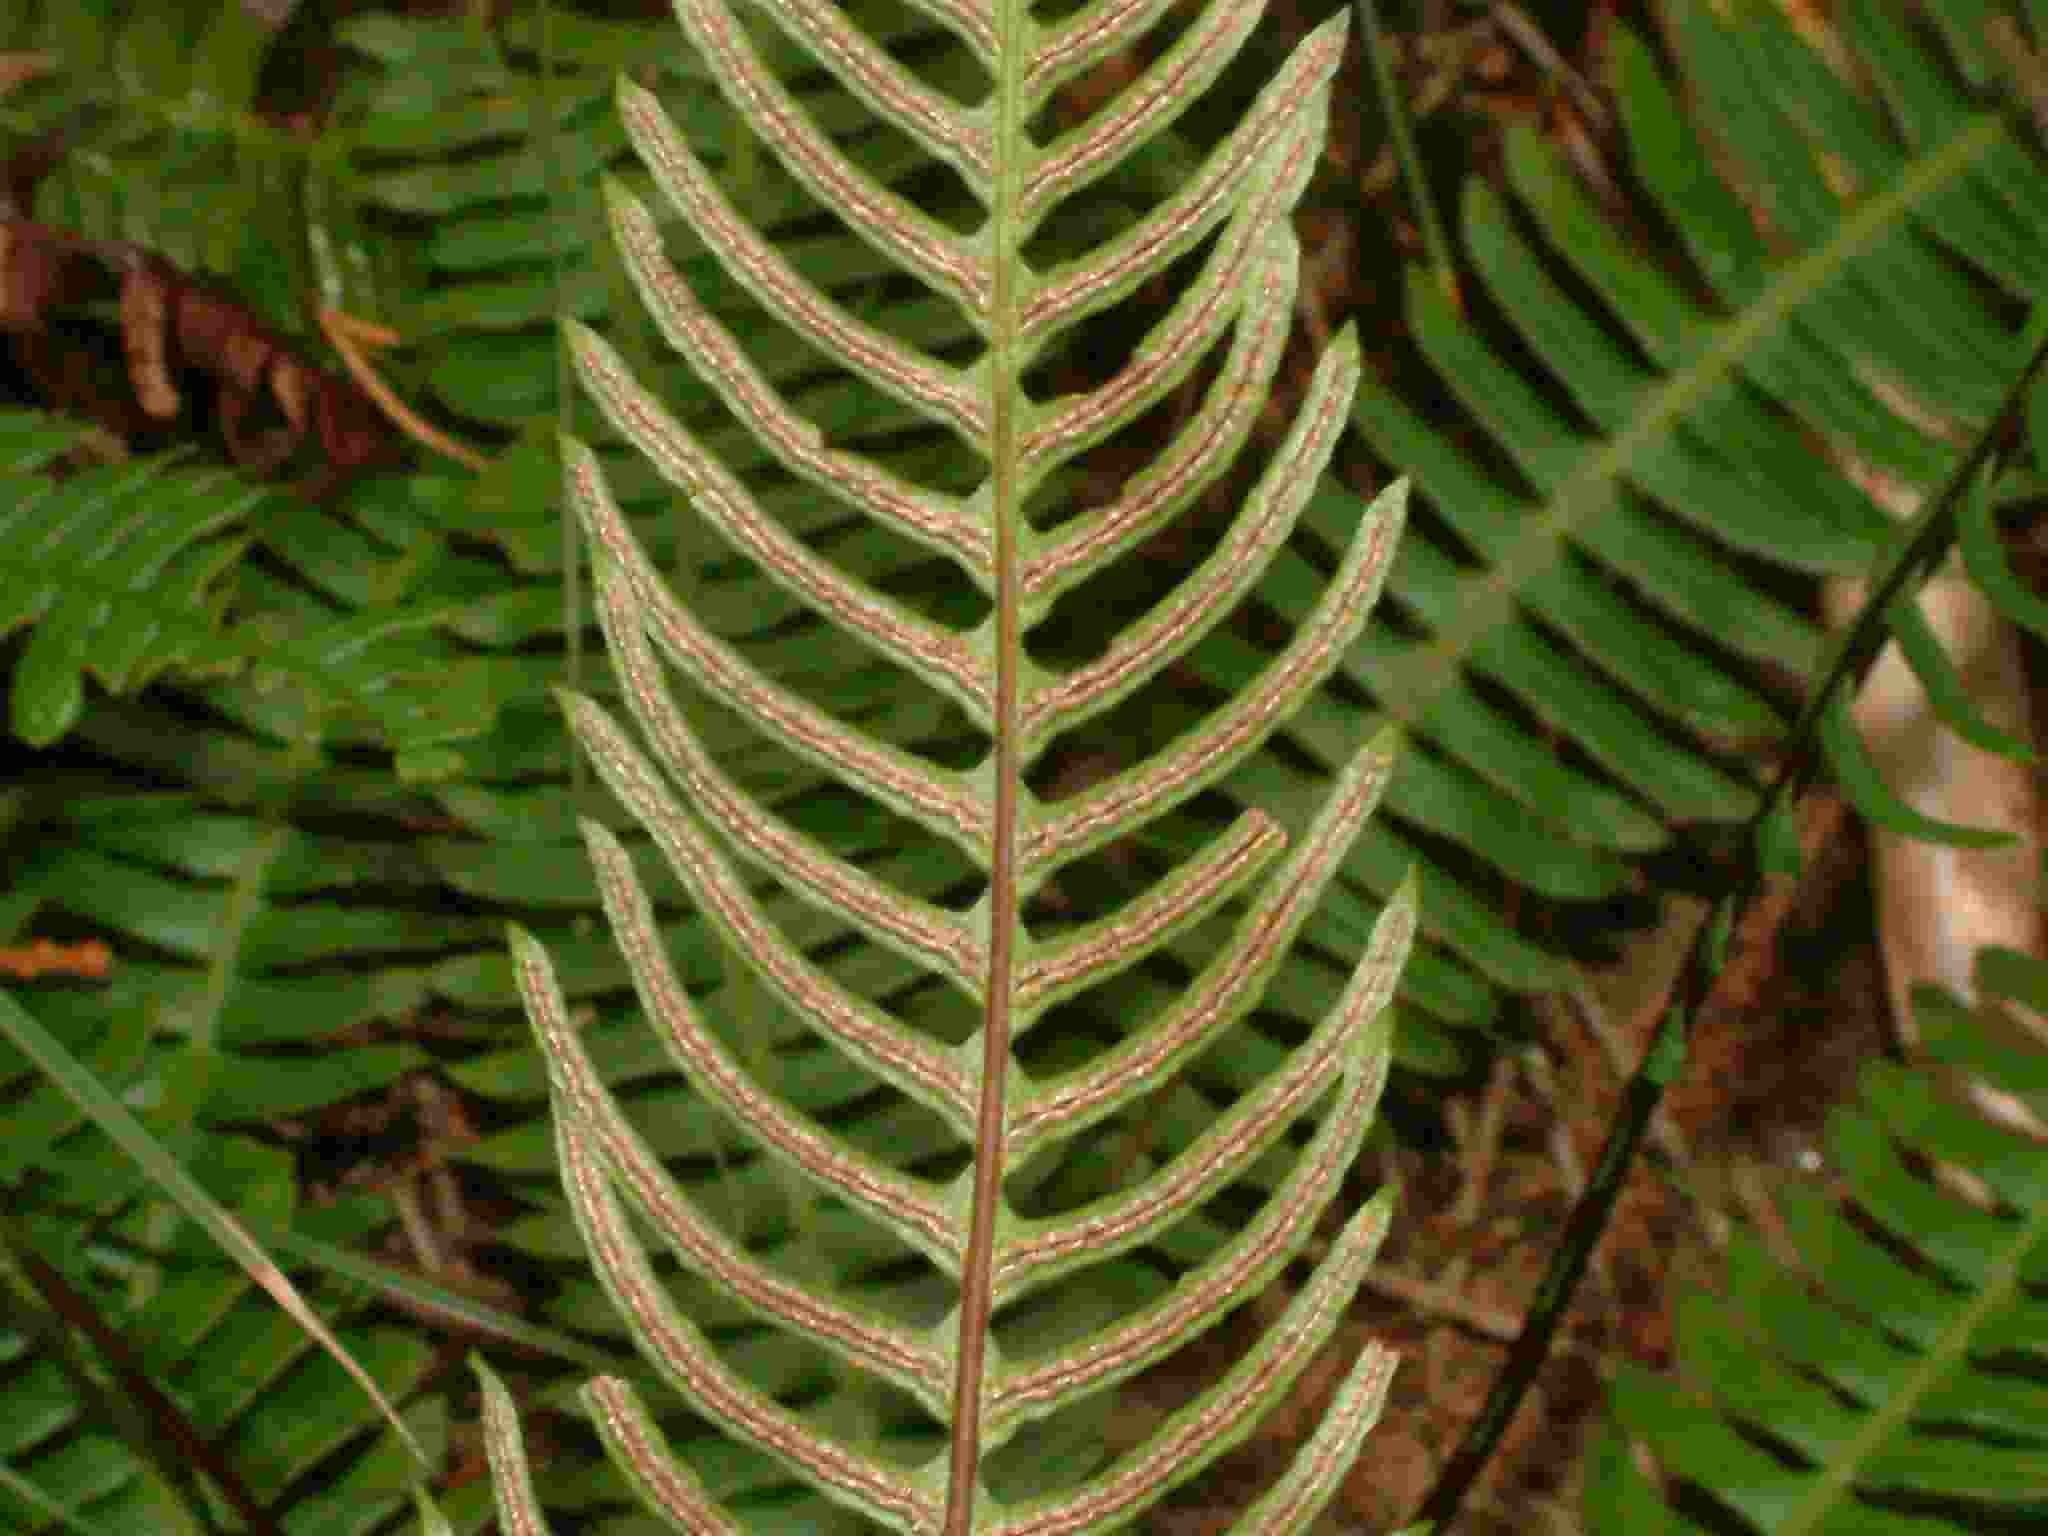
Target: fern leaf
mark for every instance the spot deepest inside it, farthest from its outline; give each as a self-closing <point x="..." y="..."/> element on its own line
<point x="1860" y="228"/>
<point x="1884" y="1382"/>
<point x="136" y="572"/>
<point x="1021" y="1316"/>
<point x="85" y="1235"/>
<point x="119" y="570"/>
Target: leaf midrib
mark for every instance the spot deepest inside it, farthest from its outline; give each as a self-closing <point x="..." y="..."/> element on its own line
<point x="1006" y="356"/>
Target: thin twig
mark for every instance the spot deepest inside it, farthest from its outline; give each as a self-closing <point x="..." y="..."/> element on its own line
<point x="1483" y="1150"/>
<point x="1496" y="1323"/>
<point x="1664" y="1130"/>
<point x="1434" y="239"/>
<point x="350" y="338"/>
<point x="1516" y="24"/>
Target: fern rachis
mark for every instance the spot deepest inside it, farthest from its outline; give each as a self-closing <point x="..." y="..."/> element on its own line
<point x="1003" y="1248"/>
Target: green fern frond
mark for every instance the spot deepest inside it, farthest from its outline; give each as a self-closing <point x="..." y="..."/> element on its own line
<point x="140" y="571"/>
<point x="241" y="941"/>
<point x="103" y="1292"/>
<point x="1889" y="1380"/>
<point x="118" y="571"/>
<point x="1856" y="247"/>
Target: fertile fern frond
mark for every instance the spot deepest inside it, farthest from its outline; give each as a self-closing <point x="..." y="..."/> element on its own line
<point x="1891" y="1381"/>
<point x="973" y="1163"/>
<point x="452" y="140"/>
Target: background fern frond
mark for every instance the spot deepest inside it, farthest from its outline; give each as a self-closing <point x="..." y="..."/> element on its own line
<point x="116" y="1404"/>
<point x="136" y="571"/>
<point x="1658" y="451"/>
<point x="1884" y="1378"/>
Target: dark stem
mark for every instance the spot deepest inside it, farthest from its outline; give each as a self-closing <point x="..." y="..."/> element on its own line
<point x="163" y="1419"/>
<point x="1526" y="1357"/>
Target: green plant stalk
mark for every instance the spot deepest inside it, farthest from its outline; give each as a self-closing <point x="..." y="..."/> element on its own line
<point x="546" y="137"/>
<point x="405" y="1289"/>
<point x="1007" y="765"/>
<point x="1923" y="545"/>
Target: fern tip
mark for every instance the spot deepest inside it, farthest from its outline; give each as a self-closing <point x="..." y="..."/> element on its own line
<point x="631" y="95"/>
<point x="578" y="335"/>
<point x="1346" y="339"/>
<point x="568" y="700"/>
<point x="1335" y="28"/>
<point x="621" y="204"/>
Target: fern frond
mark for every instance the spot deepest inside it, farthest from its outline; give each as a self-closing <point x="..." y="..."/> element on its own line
<point x="119" y="571"/>
<point x="1885" y="1381"/>
<point x="116" y="1323"/>
<point x="238" y="940"/>
<point x="1021" y="1312"/>
<point x="137" y="572"/>
<point x="1859" y="227"/>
